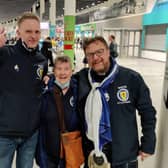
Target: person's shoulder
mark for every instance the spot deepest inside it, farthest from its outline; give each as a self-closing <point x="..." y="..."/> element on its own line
<point x="130" y="75"/>
<point x="40" y="56"/>
<point x="83" y="71"/>
<point x="81" y="75"/>
<point x="7" y="49"/>
<point x="129" y="72"/>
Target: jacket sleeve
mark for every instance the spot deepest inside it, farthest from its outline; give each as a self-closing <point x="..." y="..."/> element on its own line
<point x="3" y="56"/>
<point x="40" y="156"/>
<point x="148" y="116"/>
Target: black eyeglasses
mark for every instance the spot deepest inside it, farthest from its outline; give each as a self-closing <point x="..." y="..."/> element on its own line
<point x="98" y="53"/>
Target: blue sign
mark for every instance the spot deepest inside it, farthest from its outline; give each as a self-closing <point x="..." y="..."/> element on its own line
<point x="162" y="1"/>
<point x="77" y="28"/>
<point x="52" y="30"/>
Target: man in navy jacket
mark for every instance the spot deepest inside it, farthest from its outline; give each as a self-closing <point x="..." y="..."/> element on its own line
<point x="22" y="68"/>
<point x="109" y="96"/>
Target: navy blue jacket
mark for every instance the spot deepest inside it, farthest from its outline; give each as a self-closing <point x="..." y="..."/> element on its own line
<point x="21" y="74"/>
<point x="48" y="148"/>
<point x="126" y="94"/>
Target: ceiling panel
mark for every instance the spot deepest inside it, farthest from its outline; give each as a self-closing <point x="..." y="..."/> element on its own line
<point x="9" y="9"/>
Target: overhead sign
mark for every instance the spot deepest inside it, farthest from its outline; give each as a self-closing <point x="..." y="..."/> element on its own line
<point x="44" y="25"/>
<point x="88" y="27"/>
<point x="162" y="1"/>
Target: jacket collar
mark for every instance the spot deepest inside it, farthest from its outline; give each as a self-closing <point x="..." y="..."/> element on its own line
<point x="22" y="46"/>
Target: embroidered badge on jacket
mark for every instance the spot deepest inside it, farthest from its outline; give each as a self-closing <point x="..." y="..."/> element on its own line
<point x="123" y="95"/>
<point x="71" y="101"/>
<point x="107" y="96"/>
<point x="40" y="70"/>
<point x="16" y="68"/>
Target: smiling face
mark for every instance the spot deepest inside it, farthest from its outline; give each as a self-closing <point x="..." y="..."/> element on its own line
<point x="29" y="32"/>
<point x="63" y="71"/>
<point x="98" y="57"/>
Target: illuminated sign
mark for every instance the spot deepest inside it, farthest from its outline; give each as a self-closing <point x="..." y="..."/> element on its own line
<point x="162" y="1"/>
<point x="44" y="25"/>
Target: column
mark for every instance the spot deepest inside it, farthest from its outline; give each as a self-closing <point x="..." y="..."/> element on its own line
<point x="52" y="17"/>
<point x="34" y="8"/>
<point x="69" y="28"/>
<point x="42" y="9"/>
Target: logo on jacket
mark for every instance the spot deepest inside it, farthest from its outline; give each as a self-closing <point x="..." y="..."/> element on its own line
<point x="107" y="96"/>
<point x="71" y="101"/>
<point x="40" y="70"/>
<point x="123" y="96"/>
<point x="16" y="68"/>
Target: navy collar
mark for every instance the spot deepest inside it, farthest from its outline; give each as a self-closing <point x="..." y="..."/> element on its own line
<point x="19" y="44"/>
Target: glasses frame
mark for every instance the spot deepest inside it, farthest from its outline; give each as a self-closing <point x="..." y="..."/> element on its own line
<point x="98" y="53"/>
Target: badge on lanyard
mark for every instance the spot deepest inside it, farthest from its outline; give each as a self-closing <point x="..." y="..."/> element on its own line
<point x="99" y="161"/>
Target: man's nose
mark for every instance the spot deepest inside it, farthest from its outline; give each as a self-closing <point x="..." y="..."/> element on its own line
<point x="94" y="56"/>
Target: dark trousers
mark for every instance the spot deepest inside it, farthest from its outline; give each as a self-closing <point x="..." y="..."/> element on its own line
<point x="51" y="164"/>
<point x="132" y="164"/>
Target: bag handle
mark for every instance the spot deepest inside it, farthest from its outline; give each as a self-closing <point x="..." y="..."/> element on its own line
<point x="60" y="109"/>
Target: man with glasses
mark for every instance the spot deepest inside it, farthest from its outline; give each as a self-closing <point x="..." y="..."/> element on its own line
<point x="109" y="96"/>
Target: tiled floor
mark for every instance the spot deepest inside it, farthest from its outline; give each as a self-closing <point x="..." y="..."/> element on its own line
<point x="153" y="73"/>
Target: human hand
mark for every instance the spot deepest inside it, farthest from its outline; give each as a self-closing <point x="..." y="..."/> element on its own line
<point x="143" y="155"/>
<point x="2" y="37"/>
<point x="46" y="79"/>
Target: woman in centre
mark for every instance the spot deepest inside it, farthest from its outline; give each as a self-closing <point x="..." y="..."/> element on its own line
<point x="60" y="127"/>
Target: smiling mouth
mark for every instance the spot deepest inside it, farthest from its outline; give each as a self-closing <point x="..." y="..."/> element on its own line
<point x="96" y="63"/>
<point x="32" y="41"/>
<point x="63" y="78"/>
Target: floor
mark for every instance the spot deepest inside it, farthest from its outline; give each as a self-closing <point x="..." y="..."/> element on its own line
<point x="153" y="73"/>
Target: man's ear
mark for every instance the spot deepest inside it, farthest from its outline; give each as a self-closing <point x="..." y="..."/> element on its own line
<point x="18" y="33"/>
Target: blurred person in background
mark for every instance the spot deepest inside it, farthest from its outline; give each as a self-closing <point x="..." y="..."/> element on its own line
<point x="46" y="50"/>
<point x="113" y="47"/>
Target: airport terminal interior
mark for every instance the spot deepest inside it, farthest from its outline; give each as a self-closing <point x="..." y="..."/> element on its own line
<point x="141" y="31"/>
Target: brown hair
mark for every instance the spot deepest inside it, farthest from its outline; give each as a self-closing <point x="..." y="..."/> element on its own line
<point x="62" y="59"/>
<point x="27" y="15"/>
<point x="112" y="36"/>
<point x="88" y="41"/>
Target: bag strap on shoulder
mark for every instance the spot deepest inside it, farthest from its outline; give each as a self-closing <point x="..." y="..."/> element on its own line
<point x="60" y="108"/>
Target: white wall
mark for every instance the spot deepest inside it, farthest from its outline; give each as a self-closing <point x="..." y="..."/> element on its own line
<point x="155" y="55"/>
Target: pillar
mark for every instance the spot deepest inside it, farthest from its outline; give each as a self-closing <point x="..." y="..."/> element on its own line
<point x="52" y="17"/>
<point x="42" y="9"/>
<point x="34" y="8"/>
<point x="69" y="28"/>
